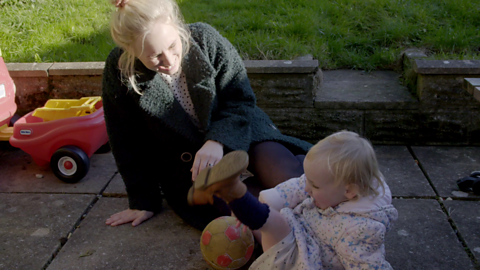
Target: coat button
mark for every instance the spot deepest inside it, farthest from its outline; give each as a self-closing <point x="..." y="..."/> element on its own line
<point x="186" y="157"/>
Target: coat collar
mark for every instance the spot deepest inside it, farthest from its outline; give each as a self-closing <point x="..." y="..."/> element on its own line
<point x="200" y="76"/>
<point x="159" y="102"/>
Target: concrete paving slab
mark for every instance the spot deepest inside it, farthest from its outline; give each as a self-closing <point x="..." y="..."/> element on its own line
<point x="445" y="164"/>
<point x="32" y="225"/>
<point x="116" y="187"/>
<point x="422" y="238"/>
<point x="466" y="216"/>
<point x="401" y="172"/>
<point x="18" y="173"/>
<point x="163" y="242"/>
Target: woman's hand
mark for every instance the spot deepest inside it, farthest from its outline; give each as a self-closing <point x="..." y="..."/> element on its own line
<point x="137" y="216"/>
<point x="209" y="155"/>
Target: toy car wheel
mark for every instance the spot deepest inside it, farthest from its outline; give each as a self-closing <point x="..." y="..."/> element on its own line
<point x="70" y="164"/>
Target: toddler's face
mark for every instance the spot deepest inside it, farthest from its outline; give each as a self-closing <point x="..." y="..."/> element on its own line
<point x="321" y="187"/>
<point x="162" y="49"/>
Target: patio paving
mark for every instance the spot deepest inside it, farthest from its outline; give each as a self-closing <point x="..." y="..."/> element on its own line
<point x="48" y="224"/>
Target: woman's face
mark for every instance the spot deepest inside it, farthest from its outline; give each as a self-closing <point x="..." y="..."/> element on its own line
<point x="162" y="49"/>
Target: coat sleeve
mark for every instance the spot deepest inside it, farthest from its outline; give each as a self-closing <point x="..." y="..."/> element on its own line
<point x="362" y="246"/>
<point x="230" y="121"/>
<point x="287" y="194"/>
<point x="128" y="139"/>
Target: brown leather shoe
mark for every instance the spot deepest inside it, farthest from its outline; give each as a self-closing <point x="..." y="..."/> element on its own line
<point x="199" y="197"/>
<point x="214" y="180"/>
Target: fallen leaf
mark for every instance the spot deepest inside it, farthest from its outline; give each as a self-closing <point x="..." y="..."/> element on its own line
<point x="88" y="253"/>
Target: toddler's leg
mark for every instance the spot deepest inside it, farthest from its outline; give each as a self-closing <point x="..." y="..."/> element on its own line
<point x="223" y="181"/>
<point x="254" y="214"/>
<point x="274" y="230"/>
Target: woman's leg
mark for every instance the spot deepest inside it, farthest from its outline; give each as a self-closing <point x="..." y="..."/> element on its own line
<point x="272" y="163"/>
<point x="175" y="192"/>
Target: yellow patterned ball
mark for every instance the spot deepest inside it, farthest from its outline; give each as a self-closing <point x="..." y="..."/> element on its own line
<point x="224" y="246"/>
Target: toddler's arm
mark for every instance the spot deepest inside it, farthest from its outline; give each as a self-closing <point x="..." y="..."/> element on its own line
<point x="287" y="194"/>
<point x="362" y="247"/>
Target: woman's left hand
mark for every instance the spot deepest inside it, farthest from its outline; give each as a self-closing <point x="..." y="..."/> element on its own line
<point x="210" y="154"/>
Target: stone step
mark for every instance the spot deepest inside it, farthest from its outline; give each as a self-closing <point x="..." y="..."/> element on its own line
<point x="472" y="85"/>
<point x="353" y="89"/>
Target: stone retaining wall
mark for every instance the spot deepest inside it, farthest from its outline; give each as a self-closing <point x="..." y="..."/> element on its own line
<point x="277" y="84"/>
<point x="37" y="83"/>
<point x="436" y="110"/>
<point x="448" y="107"/>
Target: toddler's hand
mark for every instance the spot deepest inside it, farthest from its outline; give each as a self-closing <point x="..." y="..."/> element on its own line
<point x="137" y="216"/>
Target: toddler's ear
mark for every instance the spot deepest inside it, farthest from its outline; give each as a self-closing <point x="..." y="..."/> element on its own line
<point x="351" y="191"/>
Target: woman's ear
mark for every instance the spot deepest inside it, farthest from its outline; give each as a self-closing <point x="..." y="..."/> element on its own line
<point x="351" y="191"/>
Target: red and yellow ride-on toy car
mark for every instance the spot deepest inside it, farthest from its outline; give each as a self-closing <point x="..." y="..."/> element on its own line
<point x="8" y="107"/>
<point x="64" y="133"/>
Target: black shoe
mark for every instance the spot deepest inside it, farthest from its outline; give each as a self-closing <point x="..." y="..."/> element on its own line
<point x="470" y="183"/>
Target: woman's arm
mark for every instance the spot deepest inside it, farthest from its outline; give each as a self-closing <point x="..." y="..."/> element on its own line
<point x="130" y="141"/>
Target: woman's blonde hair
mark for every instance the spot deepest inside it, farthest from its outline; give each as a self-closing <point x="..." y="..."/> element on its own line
<point x="134" y="20"/>
<point x="351" y="159"/>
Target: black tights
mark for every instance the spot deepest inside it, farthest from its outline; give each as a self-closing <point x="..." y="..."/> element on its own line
<point x="272" y="163"/>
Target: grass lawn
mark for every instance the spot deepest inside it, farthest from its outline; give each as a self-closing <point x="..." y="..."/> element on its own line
<point x="359" y="34"/>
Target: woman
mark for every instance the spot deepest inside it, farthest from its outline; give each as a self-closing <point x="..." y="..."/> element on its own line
<point x="176" y="99"/>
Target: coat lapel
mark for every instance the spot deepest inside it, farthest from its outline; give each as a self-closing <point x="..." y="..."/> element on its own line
<point x="201" y="83"/>
<point x="159" y="102"/>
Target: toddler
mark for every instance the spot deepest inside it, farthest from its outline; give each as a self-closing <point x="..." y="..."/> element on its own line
<point x="335" y="216"/>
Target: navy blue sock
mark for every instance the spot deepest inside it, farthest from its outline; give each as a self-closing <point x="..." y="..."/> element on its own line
<point x="250" y="211"/>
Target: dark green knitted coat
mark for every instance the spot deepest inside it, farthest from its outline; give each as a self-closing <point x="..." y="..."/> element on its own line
<point x="149" y="132"/>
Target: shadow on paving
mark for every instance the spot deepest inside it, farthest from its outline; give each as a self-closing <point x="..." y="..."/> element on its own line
<point x="164" y="242"/>
<point x="32" y="226"/>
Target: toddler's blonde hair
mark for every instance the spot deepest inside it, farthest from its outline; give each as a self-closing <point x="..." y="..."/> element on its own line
<point x="134" y="21"/>
<point x="351" y="159"/>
